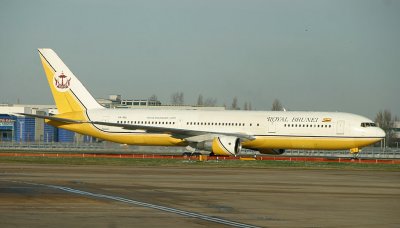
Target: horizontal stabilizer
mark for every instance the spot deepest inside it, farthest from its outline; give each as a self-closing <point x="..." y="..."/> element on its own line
<point x="58" y="119"/>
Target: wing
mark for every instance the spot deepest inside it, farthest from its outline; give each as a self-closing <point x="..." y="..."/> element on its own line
<point x="187" y="134"/>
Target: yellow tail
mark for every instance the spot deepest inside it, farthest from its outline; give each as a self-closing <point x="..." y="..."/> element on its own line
<point x="68" y="92"/>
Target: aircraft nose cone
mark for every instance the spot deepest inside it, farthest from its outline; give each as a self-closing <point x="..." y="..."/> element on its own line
<point x="380" y="133"/>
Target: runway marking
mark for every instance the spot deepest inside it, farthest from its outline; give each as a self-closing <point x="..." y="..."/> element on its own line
<point x="148" y="205"/>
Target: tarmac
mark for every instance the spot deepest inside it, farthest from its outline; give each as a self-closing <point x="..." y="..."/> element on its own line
<point x="37" y="195"/>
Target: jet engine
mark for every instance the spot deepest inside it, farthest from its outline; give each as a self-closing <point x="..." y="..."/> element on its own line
<point x="222" y="145"/>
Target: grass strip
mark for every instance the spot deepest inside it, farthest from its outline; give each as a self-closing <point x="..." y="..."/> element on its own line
<point x="197" y="164"/>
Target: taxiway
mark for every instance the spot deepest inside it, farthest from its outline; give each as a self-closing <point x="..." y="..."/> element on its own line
<point x="29" y="196"/>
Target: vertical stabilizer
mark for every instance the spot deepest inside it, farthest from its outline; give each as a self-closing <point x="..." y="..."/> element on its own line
<point x="68" y="92"/>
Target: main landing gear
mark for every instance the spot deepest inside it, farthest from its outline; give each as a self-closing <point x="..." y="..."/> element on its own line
<point x="355" y="152"/>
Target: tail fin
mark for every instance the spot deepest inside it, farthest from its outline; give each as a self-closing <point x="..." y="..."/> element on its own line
<point x="68" y="92"/>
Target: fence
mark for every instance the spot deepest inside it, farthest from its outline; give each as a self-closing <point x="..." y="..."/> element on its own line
<point x="107" y="147"/>
<point x="368" y="152"/>
<point x="102" y="147"/>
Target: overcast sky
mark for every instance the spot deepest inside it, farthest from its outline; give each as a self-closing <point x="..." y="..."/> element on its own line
<point x="339" y="55"/>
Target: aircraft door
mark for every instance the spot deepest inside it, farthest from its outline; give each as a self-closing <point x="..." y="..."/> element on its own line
<point x="272" y="127"/>
<point x="340" y="127"/>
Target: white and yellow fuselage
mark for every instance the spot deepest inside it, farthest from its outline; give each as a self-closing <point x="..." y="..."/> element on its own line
<point x="260" y="130"/>
<point x="272" y="130"/>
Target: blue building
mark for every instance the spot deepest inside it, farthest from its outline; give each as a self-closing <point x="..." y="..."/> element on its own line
<point x="17" y="128"/>
<point x="7" y="129"/>
<point x="50" y="133"/>
<point x="24" y="129"/>
<point x="27" y="129"/>
<point x="65" y="135"/>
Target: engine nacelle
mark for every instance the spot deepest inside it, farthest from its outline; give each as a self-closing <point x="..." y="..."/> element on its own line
<point x="272" y="151"/>
<point x="222" y="145"/>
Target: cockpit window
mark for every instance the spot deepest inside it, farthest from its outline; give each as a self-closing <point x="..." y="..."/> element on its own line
<point x="368" y="125"/>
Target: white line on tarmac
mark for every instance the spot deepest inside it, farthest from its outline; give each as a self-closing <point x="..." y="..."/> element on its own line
<point x="148" y="205"/>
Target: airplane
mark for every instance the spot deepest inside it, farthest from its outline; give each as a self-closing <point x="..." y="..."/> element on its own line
<point x="223" y="132"/>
